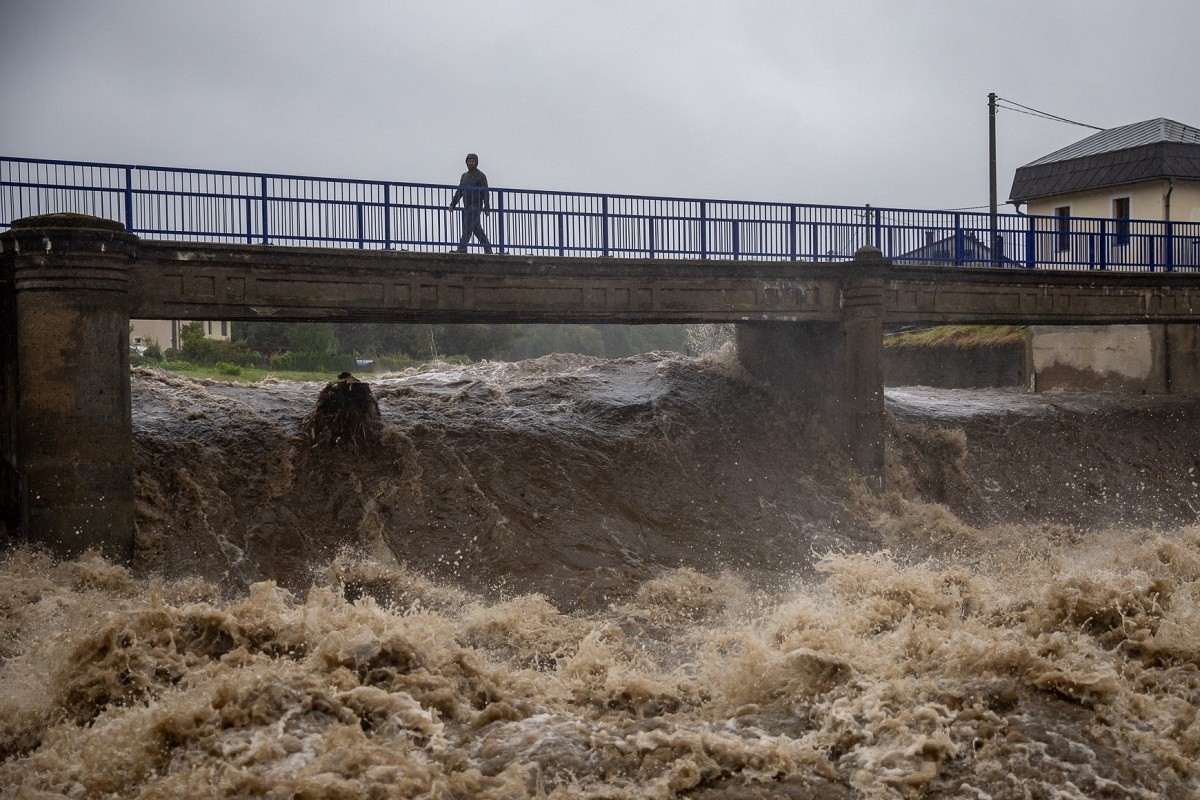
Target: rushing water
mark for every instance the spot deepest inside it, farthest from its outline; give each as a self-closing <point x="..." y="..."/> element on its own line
<point x="576" y="578"/>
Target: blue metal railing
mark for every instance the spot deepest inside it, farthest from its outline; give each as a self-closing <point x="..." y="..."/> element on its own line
<point x="269" y="209"/>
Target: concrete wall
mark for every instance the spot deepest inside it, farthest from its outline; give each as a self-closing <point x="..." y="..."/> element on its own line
<point x="1133" y="359"/>
<point x="11" y="511"/>
<point x="1139" y="359"/>
<point x="952" y="367"/>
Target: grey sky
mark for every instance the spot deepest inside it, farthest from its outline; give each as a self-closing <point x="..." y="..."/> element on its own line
<point x="881" y="102"/>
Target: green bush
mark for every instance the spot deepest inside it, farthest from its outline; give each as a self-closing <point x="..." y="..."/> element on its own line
<point x="227" y="368"/>
<point x="282" y="362"/>
<point x="197" y="348"/>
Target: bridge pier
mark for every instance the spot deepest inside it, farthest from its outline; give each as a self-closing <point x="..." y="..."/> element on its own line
<point x="67" y="434"/>
<point x="835" y="368"/>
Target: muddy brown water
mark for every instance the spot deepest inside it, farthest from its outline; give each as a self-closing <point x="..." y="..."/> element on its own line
<point x="578" y="578"/>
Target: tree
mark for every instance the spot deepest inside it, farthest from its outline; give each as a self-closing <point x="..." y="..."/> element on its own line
<point x="261" y="335"/>
<point x="540" y="340"/>
<point x="195" y="346"/>
<point x="312" y="339"/>
<point x="476" y="341"/>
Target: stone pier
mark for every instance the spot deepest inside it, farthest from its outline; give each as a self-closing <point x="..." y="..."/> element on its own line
<point x="67" y="436"/>
<point x="833" y="368"/>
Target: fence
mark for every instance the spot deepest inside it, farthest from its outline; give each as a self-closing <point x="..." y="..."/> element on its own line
<point x="267" y="209"/>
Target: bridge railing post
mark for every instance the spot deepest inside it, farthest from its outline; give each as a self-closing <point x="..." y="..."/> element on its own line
<point x="793" y="234"/>
<point x="604" y="222"/>
<point x="358" y="213"/>
<point x="1103" y="245"/>
<point x="960" y="243"/>
<point x="501" y="231"/>
<point x="867" y="224"/>
<point x="265" y="211"/>
<point x="1169" y="243"/>
<point x="129" y="199"/>
<point x="249" y="220"/>
<point x="387" y="216"/>
<point x="562" y="250"/>
<point x="704" y="229"/>
<point x="1030" y="242"/>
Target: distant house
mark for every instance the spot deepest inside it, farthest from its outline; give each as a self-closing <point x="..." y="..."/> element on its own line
<point x="952" y="249"/>
<point x="165" y="332"/>
<point x="1145" y="171"/>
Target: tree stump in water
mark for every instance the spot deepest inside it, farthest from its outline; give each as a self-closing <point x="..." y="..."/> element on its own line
<point x="346" y="414"/>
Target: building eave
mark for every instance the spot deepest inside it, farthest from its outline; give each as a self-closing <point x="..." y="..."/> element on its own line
<point x="1158" y="161"/>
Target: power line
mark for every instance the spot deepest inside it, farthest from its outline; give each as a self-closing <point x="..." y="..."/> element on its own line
<point x="1050" y="117"/>
<point x="1033" y="112"/>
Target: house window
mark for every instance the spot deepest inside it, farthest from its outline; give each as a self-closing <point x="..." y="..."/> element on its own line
<point x="1120" y="206"/>
<point x="1064" y="228"/>
<point x="224" y="328"/>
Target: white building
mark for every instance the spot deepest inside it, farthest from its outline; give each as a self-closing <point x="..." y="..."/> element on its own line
<point x="165" y="332"/>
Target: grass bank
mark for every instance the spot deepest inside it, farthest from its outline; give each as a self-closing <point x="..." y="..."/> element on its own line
<point x="233" y="372"/>
<point x="964" y="337"/>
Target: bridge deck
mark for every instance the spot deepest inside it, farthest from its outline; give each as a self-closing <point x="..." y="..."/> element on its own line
<point x="252" y="282"/>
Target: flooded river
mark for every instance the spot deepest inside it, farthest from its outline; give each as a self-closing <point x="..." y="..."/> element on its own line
<point x="644" y="578"/>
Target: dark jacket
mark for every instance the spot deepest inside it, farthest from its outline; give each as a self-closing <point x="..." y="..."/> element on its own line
<point x="472" y="188"/>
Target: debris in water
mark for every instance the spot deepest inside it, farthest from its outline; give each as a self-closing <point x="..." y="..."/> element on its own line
<point x="346" y="413"/>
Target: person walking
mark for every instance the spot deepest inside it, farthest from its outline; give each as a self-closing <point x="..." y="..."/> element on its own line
<point x="473" y="190"/>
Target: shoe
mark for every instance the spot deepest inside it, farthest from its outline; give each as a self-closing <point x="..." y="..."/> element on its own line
<point x="461" y="250"/>
<point x="487" y="250"/>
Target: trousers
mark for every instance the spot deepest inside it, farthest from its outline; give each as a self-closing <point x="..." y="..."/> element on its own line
<point x="473" y="227"/>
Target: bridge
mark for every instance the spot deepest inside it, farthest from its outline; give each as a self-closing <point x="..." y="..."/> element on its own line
<point x="198" y="205"/>
<point x="811" y="326"/>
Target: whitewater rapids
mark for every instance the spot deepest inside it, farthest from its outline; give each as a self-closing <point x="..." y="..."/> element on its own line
<point x="576" y="578"/>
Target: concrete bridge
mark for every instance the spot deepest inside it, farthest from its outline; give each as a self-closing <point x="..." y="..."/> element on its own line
<point x="69" y="284"/>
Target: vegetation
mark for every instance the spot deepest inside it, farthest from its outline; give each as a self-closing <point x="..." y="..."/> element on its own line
<point x="244" y="374"/>
<point x="310" y="351"/>
<point x="964" y="337"/>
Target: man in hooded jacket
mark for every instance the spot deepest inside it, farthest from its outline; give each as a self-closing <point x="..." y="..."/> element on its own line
<point x="473" y="190"/>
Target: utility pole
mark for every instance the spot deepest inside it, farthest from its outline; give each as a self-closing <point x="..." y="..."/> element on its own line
<point x="995" y="241"/>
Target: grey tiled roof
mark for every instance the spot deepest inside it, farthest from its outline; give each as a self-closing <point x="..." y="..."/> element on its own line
<point x="1154" y="149"/>
<point x="1150" y="131"/>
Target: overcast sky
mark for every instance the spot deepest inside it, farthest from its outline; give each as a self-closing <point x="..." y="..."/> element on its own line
<point x="841" y="101"/>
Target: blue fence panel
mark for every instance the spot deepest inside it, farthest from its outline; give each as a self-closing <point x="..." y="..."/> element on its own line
<point x="266" y="209"/>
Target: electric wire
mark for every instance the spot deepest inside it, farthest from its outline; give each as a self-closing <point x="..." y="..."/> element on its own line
<point x="1033" y="112"/>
